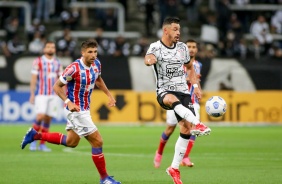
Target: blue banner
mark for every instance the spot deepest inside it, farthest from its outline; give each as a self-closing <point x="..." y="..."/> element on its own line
<point x="16" y="108"/>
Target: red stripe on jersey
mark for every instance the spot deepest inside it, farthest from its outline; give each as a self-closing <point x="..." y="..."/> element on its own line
<point x="86" y="92"/>
<point x="48" y="79"/>
<point x="77" y="87"/>
<point x="41" y="77"/>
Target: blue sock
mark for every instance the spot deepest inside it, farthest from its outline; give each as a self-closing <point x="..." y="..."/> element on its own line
<point x="97" y="151"/>
<point x="64" y="140"/>
<point x="164" y="136"/>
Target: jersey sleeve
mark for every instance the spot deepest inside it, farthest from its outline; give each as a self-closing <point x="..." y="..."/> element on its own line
<point x="200" y="65"/>
<point x="187" y="55"/>
<point x="152" y="49"/>
<point x="35" y="67"/>
<point x="99" y="66"/>
<point x="68" y="74"/>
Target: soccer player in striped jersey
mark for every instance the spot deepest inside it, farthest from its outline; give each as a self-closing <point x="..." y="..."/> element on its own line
<point x="167" y="57"/>
<point x="46" y="69"/>
<point x="80" y="77"/>
<point x="171" y="120"/>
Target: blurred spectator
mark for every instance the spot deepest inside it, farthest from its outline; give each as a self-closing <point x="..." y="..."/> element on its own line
<point x="276" y="26"/>
<point x="140" y="48"/>
<point x="149" y="18"/>
<point x="32" y="4"/>
<point x="11" y="27"/>
<point x="235" y="26"/>
<point x="223" y="17"/>
<point x="4" y="14"/>
<point x="66" y="45"/>
<point x="276" y="22"/>
<point x="109" y="21"/>
<point x="191" y="7"/>
<point x="206" y="51"/>
<point x="276" y="50"/>
<point x="167" y="8"/>
<point x="260" y="30"/>
<point x="43" y="9"/>
<point x="69" y="18"/>
<point x="37" y="44"/>
<point x="244" y="16"/>
<point x="203" y="14"/>
<point x="233" y="44"/>
<point x="15" y="46"/>
<point x="211" y="18"/>
<point x="4" y="49"/>
<point x="119" y="47"/>
<point x="99" y="12"/>
<point x="103" y="43"/>
<point x="242" y="48"/>
<point x="35" y="27"/>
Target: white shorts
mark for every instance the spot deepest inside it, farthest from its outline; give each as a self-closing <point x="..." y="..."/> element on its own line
<point x="80" y="122"/>
<point x="172" y="120"/>
<point x="47" y="104"/>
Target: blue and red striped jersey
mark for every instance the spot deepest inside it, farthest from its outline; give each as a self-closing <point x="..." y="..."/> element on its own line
<point x="47" y="72"/>
<point x="80" y="80"/>
<point x="197" y="67"/>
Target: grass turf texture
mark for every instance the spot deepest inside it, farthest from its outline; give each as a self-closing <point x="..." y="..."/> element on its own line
<point x="230" y="155"/>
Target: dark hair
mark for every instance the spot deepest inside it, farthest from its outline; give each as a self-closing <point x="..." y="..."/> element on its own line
<point x="191" y="40"/>
<point x="47" y="42"/>
<point x="170" y="20"/>
<point x="89" y="44"/>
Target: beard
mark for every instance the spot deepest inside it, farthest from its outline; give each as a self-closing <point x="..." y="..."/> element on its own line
<point x="50" y="54"/>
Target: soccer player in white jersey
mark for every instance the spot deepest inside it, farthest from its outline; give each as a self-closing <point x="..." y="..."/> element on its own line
<point x="171" y="119"/>
<point x="80" y="77"/>
<point x="46" y="70"/>
<point x="168" y="57"/>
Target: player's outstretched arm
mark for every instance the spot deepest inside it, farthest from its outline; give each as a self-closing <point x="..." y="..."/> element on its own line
<point x="150" y="59"/>
<point x="101" y="85"/>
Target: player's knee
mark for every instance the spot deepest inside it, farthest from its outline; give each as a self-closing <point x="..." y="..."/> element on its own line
<point x="99" y="142"/>
<point x="72" y="144"/>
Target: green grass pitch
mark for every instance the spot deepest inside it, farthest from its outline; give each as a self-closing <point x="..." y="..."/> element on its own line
<point x="230" y="155"/>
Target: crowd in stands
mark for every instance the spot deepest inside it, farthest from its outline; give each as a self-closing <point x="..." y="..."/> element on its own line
<point x="222" y="31"/>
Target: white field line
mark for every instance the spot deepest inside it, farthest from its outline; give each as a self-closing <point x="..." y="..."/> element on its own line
<point x="71" y="150"/>
<point x="215" y="156"/>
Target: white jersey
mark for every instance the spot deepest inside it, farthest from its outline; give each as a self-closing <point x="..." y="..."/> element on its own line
<point x="169" y="70"/>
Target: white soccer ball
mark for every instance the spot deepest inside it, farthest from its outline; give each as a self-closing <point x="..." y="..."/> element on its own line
<point x="216" y="106"/>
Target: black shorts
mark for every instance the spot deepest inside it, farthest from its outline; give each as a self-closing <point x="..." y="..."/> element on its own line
<point x="185" y="100"/>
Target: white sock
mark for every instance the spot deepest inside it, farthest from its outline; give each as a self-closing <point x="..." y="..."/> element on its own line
<point x="197" y="110"/>
<point x="180" y="149"/>
<point x="185" y="113"/>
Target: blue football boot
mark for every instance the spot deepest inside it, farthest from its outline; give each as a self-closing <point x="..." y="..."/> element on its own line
<point x="109" y="180"/>
<point x="28" y="138"/>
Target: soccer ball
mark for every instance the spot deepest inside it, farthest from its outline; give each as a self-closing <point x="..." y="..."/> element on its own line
<point x="216" y="106"/>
